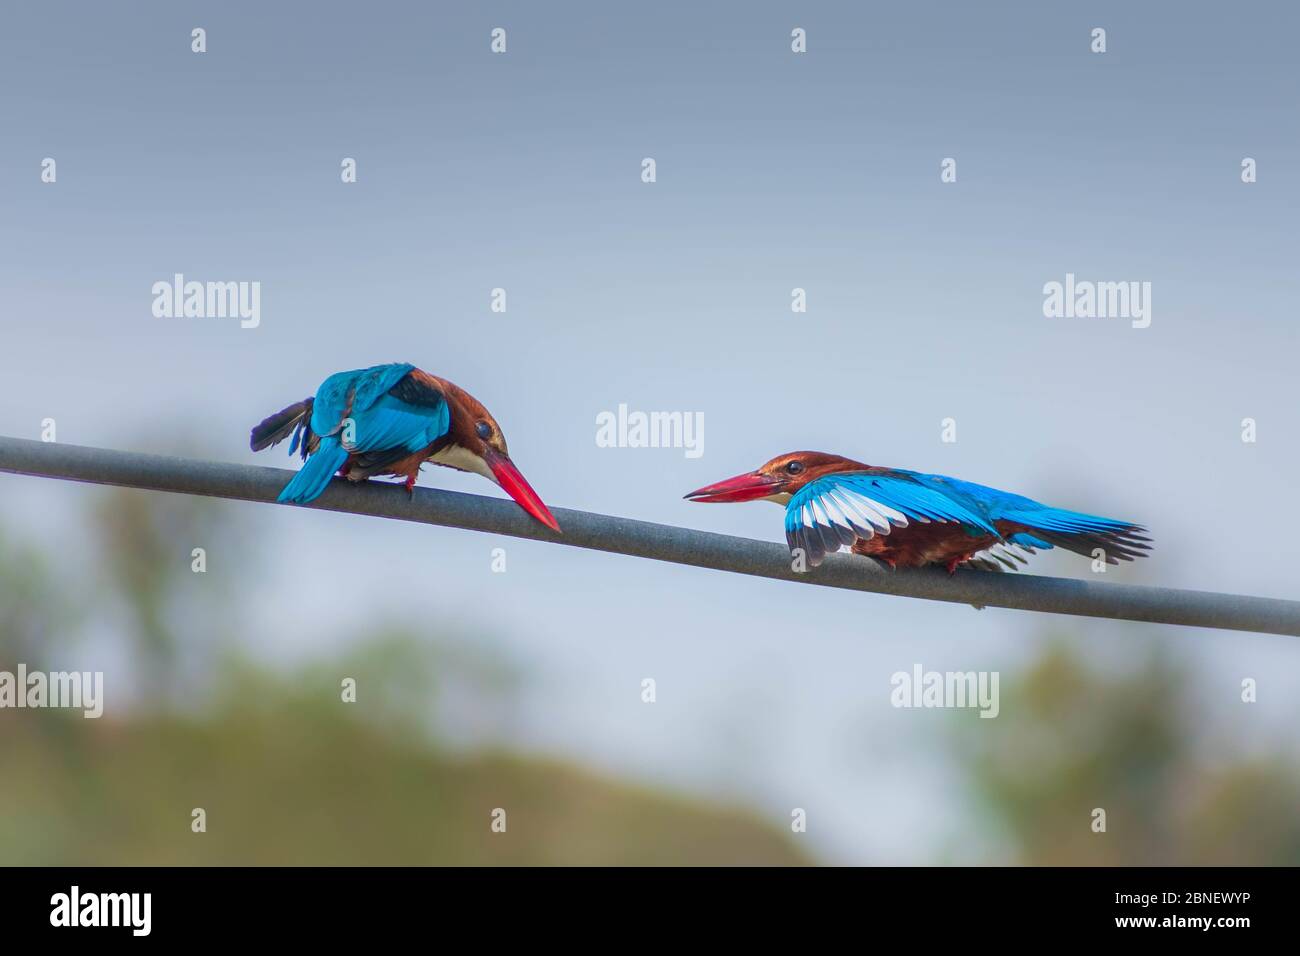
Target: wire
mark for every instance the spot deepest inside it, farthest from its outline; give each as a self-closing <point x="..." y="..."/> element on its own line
<point x="644" y="539"/>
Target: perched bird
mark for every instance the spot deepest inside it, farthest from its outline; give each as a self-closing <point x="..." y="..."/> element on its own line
<point x="907" y="519"/>
<point x="390" y="420"/>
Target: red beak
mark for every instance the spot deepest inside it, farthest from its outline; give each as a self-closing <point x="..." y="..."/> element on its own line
<point x="748" y="487"/>
<point x="518" y="488"/>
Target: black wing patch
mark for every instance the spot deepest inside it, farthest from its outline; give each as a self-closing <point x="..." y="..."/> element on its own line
<point x="413" y="391"/>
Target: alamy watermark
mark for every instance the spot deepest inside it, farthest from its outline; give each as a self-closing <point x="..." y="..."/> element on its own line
<point x="179" y="299"/>
<point x="132" y="911"/>
<point x="922" y="688"/>
<point x="78" y="690"/>
<point x="1098" y="300"/>
<point x="625" y="429"/>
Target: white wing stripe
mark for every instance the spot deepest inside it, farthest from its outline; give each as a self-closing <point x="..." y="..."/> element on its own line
<point x="806" y="517"/>
<point x="863" y="525"/>
<point x="879" y="514"/>
<point x="892" y="514"/>
<point x="836" y="513"/>
<point x="819" y="515"/>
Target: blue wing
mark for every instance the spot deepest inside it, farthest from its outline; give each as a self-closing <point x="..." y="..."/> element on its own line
<point x="377" y="413"/>
<point x="1049" y="527"/>
<point x="380" y="420"/>
<point x="842" y="508"/>
<point x="349" y="393"/>
<point x="845" y="507"/>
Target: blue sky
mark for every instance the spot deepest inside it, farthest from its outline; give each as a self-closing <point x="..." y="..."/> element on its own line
<point x="774" y="171"/>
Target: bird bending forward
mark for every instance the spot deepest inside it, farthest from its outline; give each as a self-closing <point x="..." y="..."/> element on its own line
<point x="390" y="420"/>
<point x="908" y="519"/>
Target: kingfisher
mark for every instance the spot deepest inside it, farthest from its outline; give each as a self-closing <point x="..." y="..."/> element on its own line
<point x="389" y="420"/>
<point x="909" y="519"/>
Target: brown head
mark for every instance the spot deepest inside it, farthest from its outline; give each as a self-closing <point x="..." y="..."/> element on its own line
<point x="778" y="479"/>
<point x="474" y="442"/>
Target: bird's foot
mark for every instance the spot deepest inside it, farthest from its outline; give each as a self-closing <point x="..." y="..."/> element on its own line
<point x="410" y="486"/>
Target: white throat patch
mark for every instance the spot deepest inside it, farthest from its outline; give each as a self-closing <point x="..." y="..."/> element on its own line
<point x="454" y="456"/>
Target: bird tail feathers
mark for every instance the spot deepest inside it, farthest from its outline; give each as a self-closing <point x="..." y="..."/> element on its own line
<point x="276" y="428"/>
<point x="312" y="478"/>
<point x="1080" y="533"/>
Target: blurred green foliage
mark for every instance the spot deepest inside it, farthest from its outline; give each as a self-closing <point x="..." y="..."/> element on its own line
<point x="296" y="779"/>
<point x="1071" y="739"/>
<point x="286" y="771"/>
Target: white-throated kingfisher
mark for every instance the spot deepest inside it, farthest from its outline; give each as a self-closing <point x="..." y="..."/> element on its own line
<point x="908" y="519"/>
<point x="390" y="420"/>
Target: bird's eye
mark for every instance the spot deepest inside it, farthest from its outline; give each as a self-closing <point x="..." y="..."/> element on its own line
<point x="794" y="467"/>
<point x="484" y="430"/>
